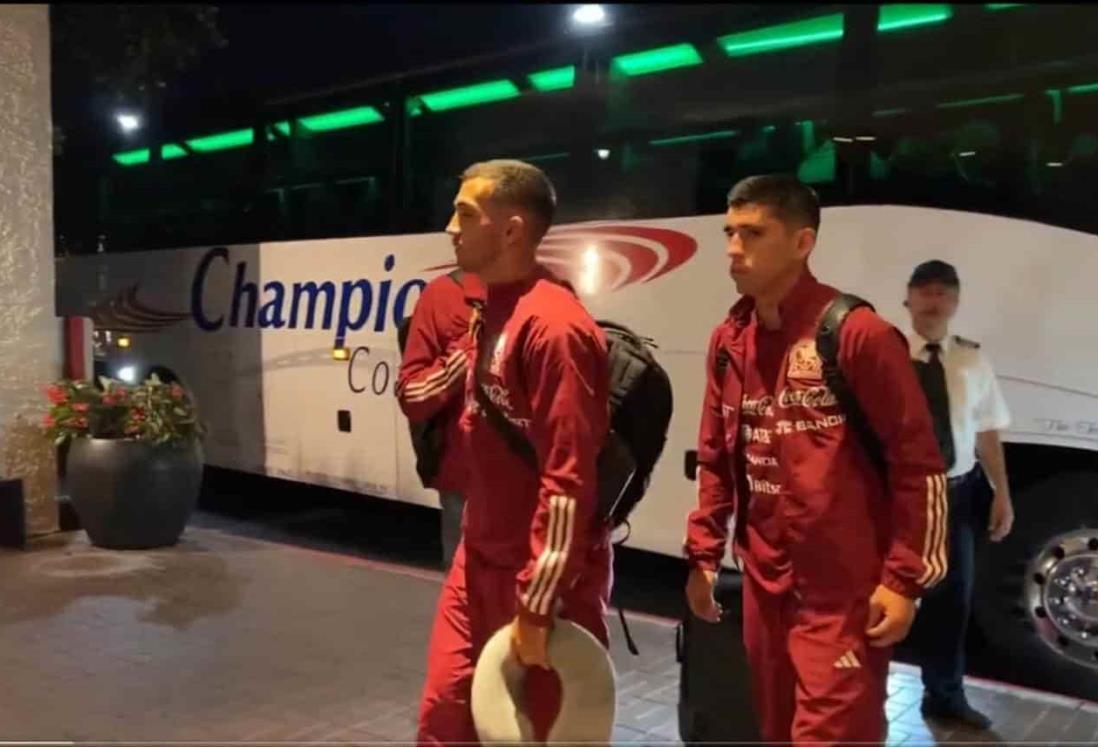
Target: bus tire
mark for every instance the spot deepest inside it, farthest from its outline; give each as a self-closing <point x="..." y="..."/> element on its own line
<point x="1036" y="595"/>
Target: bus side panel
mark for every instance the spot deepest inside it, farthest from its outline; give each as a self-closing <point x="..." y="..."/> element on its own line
<point x="1025" y="294"/>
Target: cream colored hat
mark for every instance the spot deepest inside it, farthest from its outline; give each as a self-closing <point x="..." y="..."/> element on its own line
<point x="586" y="681"/>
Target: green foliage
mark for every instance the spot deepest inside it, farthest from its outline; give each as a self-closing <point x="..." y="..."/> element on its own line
<point x="151" y="411"/>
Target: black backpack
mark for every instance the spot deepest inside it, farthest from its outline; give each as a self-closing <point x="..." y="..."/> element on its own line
<point x="640" y="414"/>
<point x="428" y="437"/>
<point x="827" y="346"/>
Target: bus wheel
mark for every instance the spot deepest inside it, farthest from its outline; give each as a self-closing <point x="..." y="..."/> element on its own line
<point x="1036" y="597"/>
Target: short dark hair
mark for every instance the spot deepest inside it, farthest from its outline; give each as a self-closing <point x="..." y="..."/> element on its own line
<point x="522" y="184"/>
<point x="934" y="271"/>
<point x="793" y="201"/>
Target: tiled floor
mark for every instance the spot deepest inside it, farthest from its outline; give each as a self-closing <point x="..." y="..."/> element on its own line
<point x="230" y="638"/>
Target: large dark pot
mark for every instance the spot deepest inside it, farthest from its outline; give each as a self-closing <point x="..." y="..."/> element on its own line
<point x="133" y="494"/>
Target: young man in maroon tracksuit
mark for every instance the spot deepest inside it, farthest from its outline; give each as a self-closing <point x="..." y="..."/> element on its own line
<point x="531" y="547"/>
<point x="834" y="556"/>
<point x="431" y="383"/>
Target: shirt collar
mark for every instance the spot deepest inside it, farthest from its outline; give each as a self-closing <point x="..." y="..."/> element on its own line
<point x="918" y="344"/>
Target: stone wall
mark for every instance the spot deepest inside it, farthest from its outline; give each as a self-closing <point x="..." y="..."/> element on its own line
<point x="30" y="335"/>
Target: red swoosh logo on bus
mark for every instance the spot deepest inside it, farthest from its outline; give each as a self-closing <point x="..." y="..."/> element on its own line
<point x="601" y="258"/>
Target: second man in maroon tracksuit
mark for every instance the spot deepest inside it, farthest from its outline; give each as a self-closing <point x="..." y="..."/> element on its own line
<point x="532" y="548"/>
<point x="431" y="384"/>
<point x="834" y="553"/>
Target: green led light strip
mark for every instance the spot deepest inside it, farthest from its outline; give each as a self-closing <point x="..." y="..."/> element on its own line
<point x="657" y="60"/>
<point x="132" y="157"/>
<point x="1005" y="98"/>
<point x="896" y="17"/>
<point x="339" y="120"/>
<point x="784" y="36"/>
<point x="556" y="79"/>
<point x="221" y="141"/>
<point x="474" y="95"/>
<point x="546" y="157"/>
<point x="701" y="137"/>
<point x="171" y="151"/>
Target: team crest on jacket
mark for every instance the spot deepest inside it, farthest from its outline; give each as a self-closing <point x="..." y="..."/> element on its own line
<point x="804" y="361"/>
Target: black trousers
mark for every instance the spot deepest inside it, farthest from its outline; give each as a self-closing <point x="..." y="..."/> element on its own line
<point x="941" y="623"/>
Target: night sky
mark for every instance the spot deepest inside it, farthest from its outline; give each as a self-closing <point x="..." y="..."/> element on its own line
<point x="279" y="50"/>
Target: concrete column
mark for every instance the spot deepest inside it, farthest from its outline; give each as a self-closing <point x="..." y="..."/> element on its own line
<point x="30" y="344"/>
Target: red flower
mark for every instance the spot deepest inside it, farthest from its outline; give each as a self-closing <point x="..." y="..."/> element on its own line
<point x="81" y="422"/>
<point x="56" y="394"/>
<point x="48" y="421"/>
<point x="80" y="407"/>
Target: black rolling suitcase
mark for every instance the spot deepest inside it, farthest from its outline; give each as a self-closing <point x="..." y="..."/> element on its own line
<point x="715" y="703"/>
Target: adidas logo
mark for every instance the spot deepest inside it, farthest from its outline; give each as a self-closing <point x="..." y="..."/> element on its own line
<point x="848" y="661"/>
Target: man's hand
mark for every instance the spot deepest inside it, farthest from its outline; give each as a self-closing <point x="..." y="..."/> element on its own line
<point x="1002" y="516"/>
<point x="890" y="617"/>
<point x="528" y="643"/>
<point x="699" y="594"/>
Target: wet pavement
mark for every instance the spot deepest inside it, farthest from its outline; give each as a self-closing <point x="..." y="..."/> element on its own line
<point x="241" y="634"/>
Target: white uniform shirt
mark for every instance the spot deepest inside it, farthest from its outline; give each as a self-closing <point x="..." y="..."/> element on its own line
<point x="976" y="403"/>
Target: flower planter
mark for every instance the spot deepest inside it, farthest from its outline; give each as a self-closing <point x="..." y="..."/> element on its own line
<point x="133" y="494"/>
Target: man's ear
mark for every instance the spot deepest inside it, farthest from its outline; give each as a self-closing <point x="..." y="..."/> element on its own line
<point x="806" y="242"/>
<point x="516" y="225"/>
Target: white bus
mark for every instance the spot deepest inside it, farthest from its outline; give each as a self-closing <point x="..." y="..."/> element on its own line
<point x="281" y="316"/>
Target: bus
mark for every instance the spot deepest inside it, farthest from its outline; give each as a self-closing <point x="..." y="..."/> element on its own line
<point x="266" y="264"/>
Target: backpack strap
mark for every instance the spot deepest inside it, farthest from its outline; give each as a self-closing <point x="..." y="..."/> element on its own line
<point x="517" y="442"/>
<point x="827" y="346"/>
<point x="512" y="436"/>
